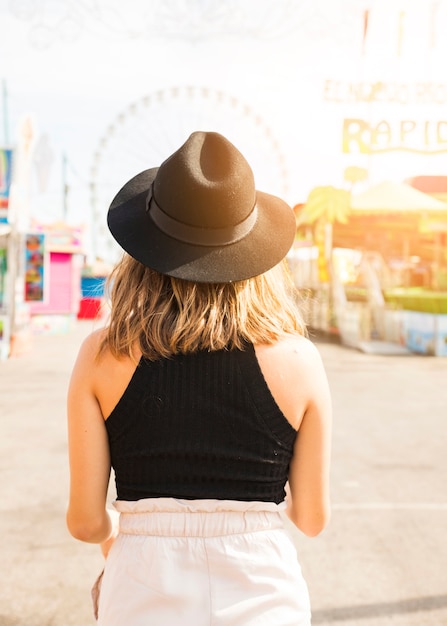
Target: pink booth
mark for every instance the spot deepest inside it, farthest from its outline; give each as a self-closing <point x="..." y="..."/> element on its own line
<point x="53" y="288"/>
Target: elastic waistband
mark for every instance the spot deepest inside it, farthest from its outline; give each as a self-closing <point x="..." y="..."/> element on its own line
<point x="196" y="518"/>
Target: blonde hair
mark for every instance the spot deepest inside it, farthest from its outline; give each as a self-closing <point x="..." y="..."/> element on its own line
<point x="166" y="315"/>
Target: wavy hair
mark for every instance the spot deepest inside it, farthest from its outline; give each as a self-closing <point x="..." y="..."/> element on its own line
<point x="166" y="315"/>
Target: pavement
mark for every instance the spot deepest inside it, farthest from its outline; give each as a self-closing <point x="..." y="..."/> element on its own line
<point x="381" y="562"/>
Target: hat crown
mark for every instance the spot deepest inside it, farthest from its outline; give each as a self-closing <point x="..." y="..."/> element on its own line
<point x="199" y="217"/>
<point x="206" y="183"/>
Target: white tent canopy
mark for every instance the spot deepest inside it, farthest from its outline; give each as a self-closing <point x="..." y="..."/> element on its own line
<point x="391" y="196"/>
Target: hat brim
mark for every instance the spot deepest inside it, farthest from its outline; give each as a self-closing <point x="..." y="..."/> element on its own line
<point x="265" y="246"/>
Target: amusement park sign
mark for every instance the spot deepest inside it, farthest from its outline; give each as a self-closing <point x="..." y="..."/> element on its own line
<point x="424" y="137"/>
<point x="377" y="134"/>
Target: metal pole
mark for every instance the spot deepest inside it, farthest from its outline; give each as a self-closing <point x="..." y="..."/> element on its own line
<point x="12" y="260"/>
<point x="5" y="113"/>
<point x="12" y="240"/>
<point x="64" y="188"/>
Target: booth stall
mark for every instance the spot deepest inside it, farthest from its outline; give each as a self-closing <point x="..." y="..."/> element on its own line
<point x="93" y="281"/>
<point x="54" y="258"/>
<point x="386" y="281"/>
<point x="398" y="286"/>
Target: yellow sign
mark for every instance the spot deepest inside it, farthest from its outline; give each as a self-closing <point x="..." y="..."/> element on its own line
<point x="424" y="137"/>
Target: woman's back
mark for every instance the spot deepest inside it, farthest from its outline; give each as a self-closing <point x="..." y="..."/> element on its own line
<point x="286" y="377"/>
<point x="286" y="365"/>
<point x="207" y="400"/>
<point x="201" y="425"/>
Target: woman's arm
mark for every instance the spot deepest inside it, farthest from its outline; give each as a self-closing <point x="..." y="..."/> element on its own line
<point x="89" y="457"/>
<point x="309" y="497"/>
<point x="295" y="375"/>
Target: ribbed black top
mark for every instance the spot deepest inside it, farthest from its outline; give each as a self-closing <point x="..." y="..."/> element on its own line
<point x="202" y="425"/>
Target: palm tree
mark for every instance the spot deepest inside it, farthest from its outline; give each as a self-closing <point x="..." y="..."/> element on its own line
<point x="324" y="206"/>
<point x="354" y="174"/>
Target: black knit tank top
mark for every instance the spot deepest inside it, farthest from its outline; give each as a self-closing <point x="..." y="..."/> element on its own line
<point x="201" y="425"/>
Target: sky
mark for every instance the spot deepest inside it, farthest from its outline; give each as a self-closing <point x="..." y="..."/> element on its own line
<point x="111" y="88"/>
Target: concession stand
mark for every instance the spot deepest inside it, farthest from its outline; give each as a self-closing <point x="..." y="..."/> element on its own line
<point x="397" y="294"/>
<point x="54" y="258"/>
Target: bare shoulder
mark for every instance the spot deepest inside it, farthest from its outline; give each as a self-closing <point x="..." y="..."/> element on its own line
<point x="86" y="361"/>
<point x="104" y="375"/>
<point x="294" y="372"/>
<point x="89" y="348"/>
<point x="93" y="341"/>
<point x="295" y="351"/>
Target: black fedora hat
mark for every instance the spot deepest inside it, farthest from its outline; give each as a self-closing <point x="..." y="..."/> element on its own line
<point x="199" y="217"/>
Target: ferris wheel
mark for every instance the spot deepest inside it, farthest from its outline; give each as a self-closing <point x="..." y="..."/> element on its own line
<point x="148" y="130"/>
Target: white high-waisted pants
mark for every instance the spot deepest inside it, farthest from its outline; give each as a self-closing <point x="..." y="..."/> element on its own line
<point x="202" y="563"/>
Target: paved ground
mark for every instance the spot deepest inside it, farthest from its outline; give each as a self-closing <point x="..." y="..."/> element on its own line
<point x="382" y="561"/>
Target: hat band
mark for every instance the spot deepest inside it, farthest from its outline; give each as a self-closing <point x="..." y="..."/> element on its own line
<point x="196" y="235"/>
